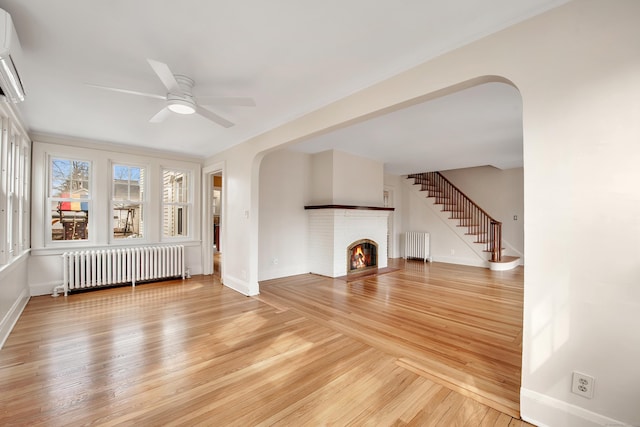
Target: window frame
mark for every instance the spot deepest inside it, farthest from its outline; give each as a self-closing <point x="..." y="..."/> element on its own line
<point x="189" y="204"/>
<point x="49" y="199"/>
<point x="15" y="193"/>
<point x="144" y="205"/>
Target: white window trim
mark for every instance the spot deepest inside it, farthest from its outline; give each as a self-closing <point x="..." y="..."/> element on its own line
<point x="91" y="229"/>
<point x="4" y="190"/>
<point x="190" y="205"/>
<point x="15" y="193"/>
<point x="143" y="202"/>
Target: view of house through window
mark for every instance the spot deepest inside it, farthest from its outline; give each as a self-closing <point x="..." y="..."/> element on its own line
<point x="69" y="199"/>
<point x="128" y="201"/>
<point x="175" y="203"/>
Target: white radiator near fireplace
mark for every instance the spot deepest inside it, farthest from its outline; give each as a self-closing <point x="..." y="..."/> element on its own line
<point x="416" y="245"/>
<point x="95" y="268"/>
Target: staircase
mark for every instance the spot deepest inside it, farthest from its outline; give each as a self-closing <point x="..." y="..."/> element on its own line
<point x="486" y="230"/>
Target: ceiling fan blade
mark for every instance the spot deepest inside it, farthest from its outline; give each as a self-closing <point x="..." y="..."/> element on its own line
<point x="214" y="117"/>
<point x="166" y="76"/>
<point x="160" y="115"/>
<point x="129" y="92"/>
<point x="225" y="100"/>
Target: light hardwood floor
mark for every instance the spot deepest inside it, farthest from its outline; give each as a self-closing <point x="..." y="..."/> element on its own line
<point x="308" y="351"/>
<point x="459" y="326"/>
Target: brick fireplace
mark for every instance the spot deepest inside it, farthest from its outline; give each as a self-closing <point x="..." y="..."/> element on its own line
<point x="362" y="255"/>
<point x="334" y="230"/>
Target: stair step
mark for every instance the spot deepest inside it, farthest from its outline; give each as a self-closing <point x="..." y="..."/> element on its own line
<point x="459" y="212"/>
<point x="505" y="263"/>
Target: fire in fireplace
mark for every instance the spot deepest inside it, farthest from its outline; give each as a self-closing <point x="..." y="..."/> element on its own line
<point x="361" y="255"/>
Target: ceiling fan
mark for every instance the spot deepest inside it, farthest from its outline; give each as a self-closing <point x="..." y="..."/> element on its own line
<point x="179" y="98"/>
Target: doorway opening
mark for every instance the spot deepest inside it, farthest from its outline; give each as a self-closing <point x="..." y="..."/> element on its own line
<point x="213" y="220"/>
<point x="216" y="213"/>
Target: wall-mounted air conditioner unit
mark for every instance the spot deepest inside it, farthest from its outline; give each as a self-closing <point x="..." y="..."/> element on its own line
<point x="10" y="83"/>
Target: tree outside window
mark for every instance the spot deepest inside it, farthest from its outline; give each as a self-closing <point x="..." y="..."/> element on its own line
<point x="69" y="199"/>
<point x="128" y="197"/>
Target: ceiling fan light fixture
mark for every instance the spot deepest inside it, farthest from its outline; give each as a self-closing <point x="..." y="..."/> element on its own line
<point x="181" y="106"/>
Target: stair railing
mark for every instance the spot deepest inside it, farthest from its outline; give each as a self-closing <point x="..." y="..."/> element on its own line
<point x="478" y="222"/>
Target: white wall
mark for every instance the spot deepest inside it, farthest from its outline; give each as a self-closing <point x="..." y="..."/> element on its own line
<point x="340" y="178"/>
<point x="322" y="178"/>
<point x="45" y="265"/>
<point x="14" y="218"/>
<point x="577" y="69"/>
<point x="393" y="184"/>
<point x="290" y="180"/>
<point x="356" y="180"/>
<point x="284" y="226"/>
<point x="14" y="294"/>
<point x="446" y="245"/>
<point x="500" y="192"/>
<point x="582" y="205"/>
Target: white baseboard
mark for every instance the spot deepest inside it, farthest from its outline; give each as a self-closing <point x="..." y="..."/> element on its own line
<point x="283" y="272"/>
<point x="544" y="411"/>
<point x="37" y="289"/>
<point x="12" y="316"/>
<point x="238" y="285"/>
<point x="473" y="262"/>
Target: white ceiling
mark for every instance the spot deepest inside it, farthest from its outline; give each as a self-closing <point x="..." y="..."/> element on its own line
<point x="291" y="56"/>
<point x="475" y="127"/>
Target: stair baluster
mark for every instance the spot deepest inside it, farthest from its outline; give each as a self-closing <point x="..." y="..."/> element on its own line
<point x="487" y="230"/>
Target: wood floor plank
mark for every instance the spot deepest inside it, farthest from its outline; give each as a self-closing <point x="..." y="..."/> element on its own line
<point x="308" y="351"/>
<point x="461" y="325"/>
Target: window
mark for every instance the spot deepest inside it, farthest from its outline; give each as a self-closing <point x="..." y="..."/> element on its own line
<point x="176" y="203"/>
<point x="128" y="197"/>
<point x="14" y="191"/>
<point x="69" y="199"/>
<point x="13" y="196"/>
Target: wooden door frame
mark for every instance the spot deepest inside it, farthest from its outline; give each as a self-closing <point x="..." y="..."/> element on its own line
<point x="207" y="214"/>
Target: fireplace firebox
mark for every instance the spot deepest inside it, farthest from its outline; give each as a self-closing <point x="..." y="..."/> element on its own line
<point x="362" y="255"/>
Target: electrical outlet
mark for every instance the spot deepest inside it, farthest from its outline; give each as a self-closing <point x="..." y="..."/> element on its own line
<point x="582" y="385"/>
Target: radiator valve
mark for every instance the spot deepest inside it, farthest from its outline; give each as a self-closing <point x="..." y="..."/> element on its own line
<point x="56" y="290"/>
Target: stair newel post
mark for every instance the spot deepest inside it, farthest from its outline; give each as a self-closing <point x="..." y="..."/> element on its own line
<point x="496" y="241"/>
<point x="488" y="230"/>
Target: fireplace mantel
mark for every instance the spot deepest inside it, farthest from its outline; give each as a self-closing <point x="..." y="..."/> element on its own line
<point x="364" y="208"/>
